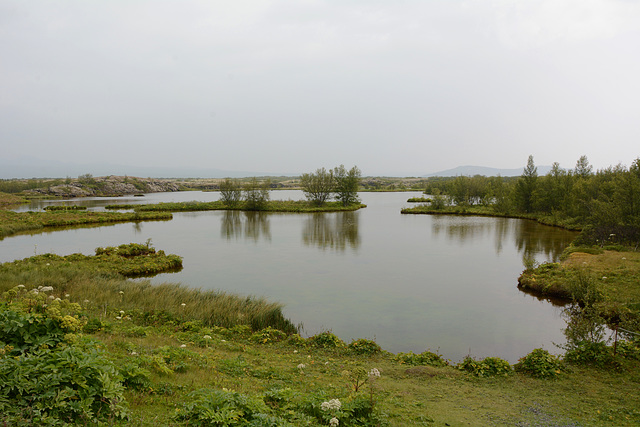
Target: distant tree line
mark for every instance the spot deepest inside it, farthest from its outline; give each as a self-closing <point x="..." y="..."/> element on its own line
<point x="608" y="199"/>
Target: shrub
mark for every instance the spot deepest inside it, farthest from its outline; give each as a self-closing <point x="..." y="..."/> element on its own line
<point x="596" y="354"/>
<point x="424" y="358"/>
<point x="364" y="346"/>
<point x="268" y="335"/>
<point x="326" y="340"/>
<point x="69" y="384"/>
<point x="487" y="367"/>
<point x="539" y="364"/>
<point x="225" y="408"/>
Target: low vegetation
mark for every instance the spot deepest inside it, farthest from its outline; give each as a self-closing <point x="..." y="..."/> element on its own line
<point x="299" y="206"/>
<point x="15" y="222"/>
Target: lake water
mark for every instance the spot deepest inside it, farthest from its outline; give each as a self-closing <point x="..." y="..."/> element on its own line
<point x="411" y="282"/>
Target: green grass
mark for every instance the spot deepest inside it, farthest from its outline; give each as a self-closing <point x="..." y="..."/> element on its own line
<point x="15" y="222"/>
<point x="101" y="280"/>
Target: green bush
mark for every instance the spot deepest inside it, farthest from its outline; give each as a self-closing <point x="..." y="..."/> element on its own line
<point x="326" y="340"/>
<point x="364" y="346"/>
<point x="596" y="354"/>
<point x="540" y="364"/>
<point x="70" y="384"/>
<point x="424" y="358"/>
<point x="487" y="367"/>
<point x="268" y="335"/>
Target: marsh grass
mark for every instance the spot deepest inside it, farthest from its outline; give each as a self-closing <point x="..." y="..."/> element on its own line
<point x="99" y="283"/>
<point x="15" y="222"/>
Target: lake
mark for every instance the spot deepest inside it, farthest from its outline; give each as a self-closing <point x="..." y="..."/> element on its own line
<point x="410" y="282"/>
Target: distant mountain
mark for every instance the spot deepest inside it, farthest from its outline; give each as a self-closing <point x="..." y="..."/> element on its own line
<point x="482" y="170"/>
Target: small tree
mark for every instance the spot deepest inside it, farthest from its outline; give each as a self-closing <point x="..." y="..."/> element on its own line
<point x="526" y="187"/>
<point x="230" y="192"/>
<point x="256" y="194"/>
<point x="318" y="186"/>
<point x="347" y="183"/>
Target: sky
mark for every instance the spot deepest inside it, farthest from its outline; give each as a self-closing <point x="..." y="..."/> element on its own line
<point x="398" y="88"/>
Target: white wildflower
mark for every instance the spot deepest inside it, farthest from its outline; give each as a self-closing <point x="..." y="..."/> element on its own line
<point x="21" y="286"/>
<point x="121" y="292"/>
<point x="35" y="291"/>
<point x="118" y="318"/>
<point x="302" y="366"/>
<point x="133" y="353"/>
<point x="207" y="337"/>
<point x="295" y="351"/>
<point x="67" y="295"/>
<point x="121" y="311"/>
<point x="333" y="422"/>
<point x="47" y="264"/>
<point x="46" y="289"/>
<point x="223" y="340"/>
<point x="604" y="277"/>
<point x="183" y="304"/>
<point x="183" y="346"/>
<point x="86" y="301"/>
<point x="57" y="299"/>
<point x="333" y="404"/>
<point x="52" y="297"/>
<point x="374" y="373"/>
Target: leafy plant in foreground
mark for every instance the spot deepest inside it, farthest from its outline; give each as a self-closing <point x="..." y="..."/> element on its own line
<point x="540" y="364"/>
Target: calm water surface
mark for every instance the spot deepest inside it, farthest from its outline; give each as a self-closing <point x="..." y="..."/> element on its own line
<point x="411" y="282"/>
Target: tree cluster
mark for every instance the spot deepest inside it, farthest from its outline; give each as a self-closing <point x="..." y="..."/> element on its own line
<point x="608" y="198"/>
<point x="254" y="193"/>
<point x="338" y="183"/>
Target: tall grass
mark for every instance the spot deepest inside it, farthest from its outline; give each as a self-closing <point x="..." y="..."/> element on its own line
<point x="104" y="293"/>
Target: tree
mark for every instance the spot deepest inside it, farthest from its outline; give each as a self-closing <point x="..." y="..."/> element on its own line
<point x="256" y="194"/>
<point x="526" y="187"/>
<point x="347" y="184"/>
<point x="583" y="168"/>
<point x="230" y="192"/>
<point x="318" y="186"/>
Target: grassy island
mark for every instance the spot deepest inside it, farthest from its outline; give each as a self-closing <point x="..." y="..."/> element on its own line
<point x="15" y="222"/>
<point x="297" y="206"/>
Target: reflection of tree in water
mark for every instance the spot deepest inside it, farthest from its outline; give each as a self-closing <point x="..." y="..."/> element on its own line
<point x="252" y="225"/>
<point x="334" y="231"/>
<point x="530" y="237"/>
<point x="137" y="227"/>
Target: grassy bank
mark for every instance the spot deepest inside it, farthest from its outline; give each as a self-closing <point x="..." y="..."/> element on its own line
<point x="297" y="206"/>
<point x="7" y="200"/>
<point x="475" y="210"/>
<point x="614" y="275"/>
<point x="167" y="355"/>
<point x="15" y="222"/>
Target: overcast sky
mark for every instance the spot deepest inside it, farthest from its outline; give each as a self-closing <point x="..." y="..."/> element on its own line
<point x="396" y="87"/>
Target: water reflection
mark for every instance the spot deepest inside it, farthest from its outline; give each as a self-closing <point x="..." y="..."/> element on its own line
<point x="531" y="239"/>
<point x="335" y="231"/>
<point x="251" y="225"/>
